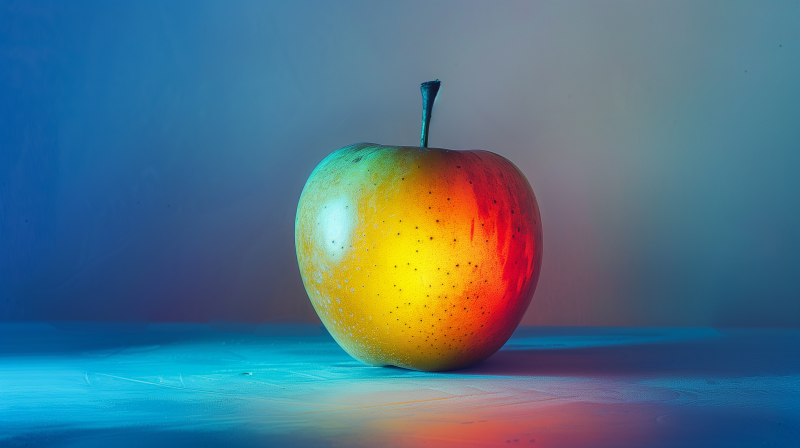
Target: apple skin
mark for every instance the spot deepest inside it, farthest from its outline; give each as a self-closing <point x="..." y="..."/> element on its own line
<point x="421" y="258"/>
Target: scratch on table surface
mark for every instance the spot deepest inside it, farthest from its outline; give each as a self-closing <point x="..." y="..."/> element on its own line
<point x="310" y="376"/>
<point x="264" y="382"/>
<point x="514" y="403"/>
<point x="101" y="354"/>
<point x="399" y="403"/>
<point x="207" y="377"/>
<point x="207" y="392"/>
<point x="241" y="357"/>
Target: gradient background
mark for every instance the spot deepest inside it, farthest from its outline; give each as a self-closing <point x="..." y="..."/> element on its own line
<point x="152" y="154"/>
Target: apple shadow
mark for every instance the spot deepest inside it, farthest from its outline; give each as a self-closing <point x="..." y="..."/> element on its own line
<point x="731" y="353"/>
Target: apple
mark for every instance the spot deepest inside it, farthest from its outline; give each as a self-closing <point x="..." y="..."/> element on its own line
<point x="416" y="257"/>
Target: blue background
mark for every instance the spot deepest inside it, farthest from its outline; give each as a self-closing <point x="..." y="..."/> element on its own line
<point x="152" y="153"/>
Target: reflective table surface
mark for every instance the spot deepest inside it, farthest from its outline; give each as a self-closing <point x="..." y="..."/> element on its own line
<point x="129" y="384"/>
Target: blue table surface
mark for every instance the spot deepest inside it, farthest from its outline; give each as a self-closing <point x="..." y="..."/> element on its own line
<point x="100" y="385"/>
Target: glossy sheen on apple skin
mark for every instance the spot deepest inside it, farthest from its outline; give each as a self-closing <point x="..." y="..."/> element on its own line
<point x="421" y="258"/>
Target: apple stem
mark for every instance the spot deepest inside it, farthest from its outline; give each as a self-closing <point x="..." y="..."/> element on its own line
<point x="429" y="90"/>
